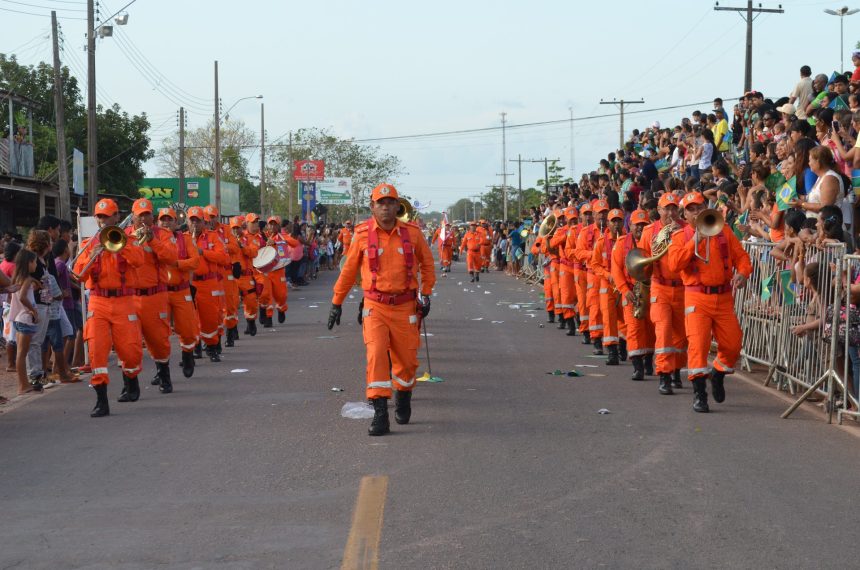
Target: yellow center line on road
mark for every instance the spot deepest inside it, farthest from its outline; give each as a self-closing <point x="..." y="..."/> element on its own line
<point x="362" y="547"/>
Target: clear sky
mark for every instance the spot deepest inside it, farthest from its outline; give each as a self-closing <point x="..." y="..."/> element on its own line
<point x="387" y="68"/>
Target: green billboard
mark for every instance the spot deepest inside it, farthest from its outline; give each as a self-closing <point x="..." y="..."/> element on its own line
<point x="164" y="192"/>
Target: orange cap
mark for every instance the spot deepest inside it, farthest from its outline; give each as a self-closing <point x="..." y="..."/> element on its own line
<point x="667" y="199"/>
<point x="196" y="212"/>
<point x="274" y="219"/>
<point x="558" y="212"/>
<point x="251" y="217"/>
<point x="692" y="198"/>
<point x="571" y="212"/>
<point x="166" y="212"/>
<point x="105" y="207"/>
<point x="211" y="211"/>
<point x="601" y="206"/>
<point x="141" y="206"/>
<point x="639" y="217"/>
<point x="585" y="208"/>
<point x="384" y="191"/>
<point x="237" y="221"/>
<point x="615" y="214"/>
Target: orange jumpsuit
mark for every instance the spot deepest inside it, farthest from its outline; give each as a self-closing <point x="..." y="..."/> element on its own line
<point x="486" y="246"/>
<point x="150" y="283"/>
<point x="667" y="308"/>
<point x="344" y="236"/>
<point x="579" y="276"/>
<point x="180" y="301"/>
<point x="207" y="283"/>
<point x="539" y="248"/>
<point x="276" y="281"/>
<point x="446" y="246"/>
<point x="264" y="295"/>
<point x="230" y="283"/>
<point x="471" y="243"/>
<point x="709" y="306"/>
<point x="640" y="332"/>
<point x="247" y="283"/>
<point x="566" y="279"/>
<point x="585" y="243"/>
<point x="390" y="323"/>
<point x="111" y="313"/>
<point x="601" y="264"/>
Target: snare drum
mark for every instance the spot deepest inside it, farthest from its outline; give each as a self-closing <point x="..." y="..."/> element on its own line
<point x="271" y="259"/>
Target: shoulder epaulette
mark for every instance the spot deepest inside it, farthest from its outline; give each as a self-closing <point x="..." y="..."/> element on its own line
<point x="361" y="228"/>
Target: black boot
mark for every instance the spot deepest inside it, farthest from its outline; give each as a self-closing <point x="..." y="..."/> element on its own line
<point x="198" y="350"/>
<point x="380" y="424"/>
<point x="236" y="332"/>
<point x="550" y="318"/>
<point x="471" y="277"/>
<point x="252" y="327"/>
<point x="187" y="364"/>
<point x="586" y="337"/>
<point x="156" y="380"/>
<point x="228" y="341"/>
<point x="102" y="407"/>
<point x="666" y="384"/>
<point x="717" y="387"/>
<point x="700" y="396"/>
<point x="402" y="406"/>
<point x="622" y="349"/>
<point x="282" y="316"/>
<point x="676" y="381"/>
<point x="477" y="276"/>
<point x="562" y="322"/>
<point x="571" y="327"/>
<point x="166" y="386"/>
<point x="648" y="363"/>
<point x="638" y="368"/>
<point x="130" y="390"/>
<point x="123" y="394"/>
<point x="598" y="347"/>
<point x="212" y="353"/>
<point x="612" y="358"/>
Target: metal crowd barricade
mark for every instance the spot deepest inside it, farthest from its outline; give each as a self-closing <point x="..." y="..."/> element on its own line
<point x="850" y="405"/>
<point x="760" y="319"/>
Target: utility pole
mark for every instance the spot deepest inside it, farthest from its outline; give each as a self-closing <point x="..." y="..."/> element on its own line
<point x="217" y="143"/>
<point x="545" y="162"/>
<point x="182" y="196"/>
<point x="92" y="146"/>
<point x="262" y="158"/>
<point x="749" y="14"/>
<point x="519" y="162"/>
<point x="572" y="159"/>
<point x="59" y="115"/>
<point x="290" y="198"/>
<point x="621" y="106"/>
<point x="504" y="171"/>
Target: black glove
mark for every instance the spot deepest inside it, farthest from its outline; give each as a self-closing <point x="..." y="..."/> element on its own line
<point x="361" y="312"/>
<point x="334" y="316"/>
<point x="237" y="270"/>
<point x="423" y="306"/>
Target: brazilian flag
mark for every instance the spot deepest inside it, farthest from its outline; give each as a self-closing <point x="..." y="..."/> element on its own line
<point x="775" y="181"/>
<point x="786" y="287"/>
<point x="787" y="193"/>
<point x="767" y="287"/>
<point x="740" y="220"/>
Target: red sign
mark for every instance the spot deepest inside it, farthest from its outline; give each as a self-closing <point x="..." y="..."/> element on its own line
<point x="309" y="170"/>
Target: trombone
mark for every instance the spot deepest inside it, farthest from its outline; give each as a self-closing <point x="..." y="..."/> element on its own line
<point x="709" y="223"/>
<point x="111" y="239"/>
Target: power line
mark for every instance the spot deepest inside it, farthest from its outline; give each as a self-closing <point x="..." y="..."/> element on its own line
<point x="39" y="15"/>
<point x="46" y="7"/>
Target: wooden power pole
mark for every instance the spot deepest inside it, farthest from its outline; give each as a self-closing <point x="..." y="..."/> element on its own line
<point x="64" y="211"/>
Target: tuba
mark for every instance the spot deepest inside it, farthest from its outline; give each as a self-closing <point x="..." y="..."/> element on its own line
<point x="708" y="223"/>
<point x="546" y="230"/>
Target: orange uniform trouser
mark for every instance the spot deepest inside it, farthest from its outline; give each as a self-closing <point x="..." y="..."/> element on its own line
<point x="567" y="290"/>
<point x="640" y="332"/>
<point x="486" y="251"/>
<point x="248" y="288"/>
<point x="473" y="260"/>
<point x="231" y="301"/>
<point x="446" y="254"/>
<point x="264" y="291"/>
<point x="579" y="279"/>
<point x="154" y="318"/>
<point x="185" y="324"/>
<point x="667" y="314"/>
<point x="613" y="324"/>
<point x="112" y="322"/>
<point x="276" y="282"/>
<point x="592" y="300"/>
<point x="390" y="331"/>
<point x="547" y="288"/>
<point x="209" y="302"/>
<point x="708" y="315"/>
<point x="556" y="291"/>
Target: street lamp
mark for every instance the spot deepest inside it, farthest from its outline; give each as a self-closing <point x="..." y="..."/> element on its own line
<point x="841" y="12"/>
<point x="218" y="137"/>
<point x="227" y="114"/>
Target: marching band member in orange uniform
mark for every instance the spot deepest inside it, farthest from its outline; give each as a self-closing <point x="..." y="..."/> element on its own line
<point x="247" y="283"/>
<point x="264" y="294"/>
<point x="709" y="304"/>
<point x="579" y="271"/>
<point x="207" y="280"/>
<point x="150" y="283"/>
<point x="556" y="241"/>
<point x="344" y="236"/>
<point x="601" y="264"/>
<point x="471" y="244"/>
<point x="584" y="248"/>
<point x="390" y="255"/>
<point x="640" y="330"/>
<point x="445" y="246"/>
<point x="111" y="312"/>
<point x="180" y="301"/>
<point x="276" y="281"/>
<point x="486" y="245"/>
<point x="231" y="273"/>
<point x="539" y="248"/>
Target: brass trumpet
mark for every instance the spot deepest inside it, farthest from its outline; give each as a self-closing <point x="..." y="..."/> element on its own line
<point x="111" y="238"/>
<point x="406" y="213"/>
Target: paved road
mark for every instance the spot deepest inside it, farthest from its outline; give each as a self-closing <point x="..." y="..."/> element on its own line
<point x="502" y="467"/>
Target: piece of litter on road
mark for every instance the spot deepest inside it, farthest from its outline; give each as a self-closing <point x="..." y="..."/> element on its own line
<point x="603" y="411"/>
<point x="573" y="373"/>
<point x="313" y="306"/>
<point x="459" y="282"/>
<point x="357" y="411"/>
<point x="336" y="389"/>
<point x="352" y="296"/>
<point x="426" y="334"/>
<point x="556" y="372"/>
<point x="513" y="306"/>
<point x="497" y="322"/>
<point x="478" y="319"/>
<point x="238" y="370"/>
<point x="486" y="292"/>
<point x="466" y="290"/>
<point x="595" y="356"/>
<point x="540" y="325"/>
<point x="586" y="365"/>
<point x="596" y="375"/>
<point x="530" y="315"/>
<point x="326" y="337"/>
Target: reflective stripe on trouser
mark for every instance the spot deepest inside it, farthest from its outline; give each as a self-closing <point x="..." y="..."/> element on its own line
<point x="567" y="291"/>
<point x="184" y="316"/>
<point x="579" y="278"/>
<point x="667" y="314"/>
<point x="231" y="302"/>
<point x="248" y="290"/>
<point x="264" y="298"/>
<point x="473" y="260"/>
<point x="556" y="292"/>
<point x="152" y="313"/>
<point x="209" y="300"/>
<point x="592" y="300"/>
<point x="708" y="315"/>
<point x="609" y="301"/>
<point x="547" y="290"/>
<point x="640" y="332"/>
<point x="390" y="331"/>
<point x="277" y="284"/>
<point x="486" y="251"/>
<point x="112" y="322"/>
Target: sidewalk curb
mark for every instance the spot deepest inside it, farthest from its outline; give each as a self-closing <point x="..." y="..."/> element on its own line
<point x="19" y="401"/>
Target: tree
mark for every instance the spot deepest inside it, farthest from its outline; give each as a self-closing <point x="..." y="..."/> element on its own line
<point x="200" y="151"/>
<point x="463" y="209"/>
<point x="554" y="172"/>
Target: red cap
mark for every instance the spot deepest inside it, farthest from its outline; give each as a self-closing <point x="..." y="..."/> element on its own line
<point x="166" y="212"/>
<point x="237" y="221"/>
<point x="601" y="206"/>
<point x="252" y="217"/>
<point x="639" y="217"/>
<point x="692" y="198"/>
<point x="384" y="191"/>
<point x="668" y="198"/>
<point x="141" y="206"/>
<point x="615" y="214"/>
<point x="211" y="211"/>
<point x="105" y="207"/>
<point x="196" y="212"/>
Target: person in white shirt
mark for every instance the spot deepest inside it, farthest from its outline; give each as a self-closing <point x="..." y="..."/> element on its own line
<point x="802" y="94"/>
